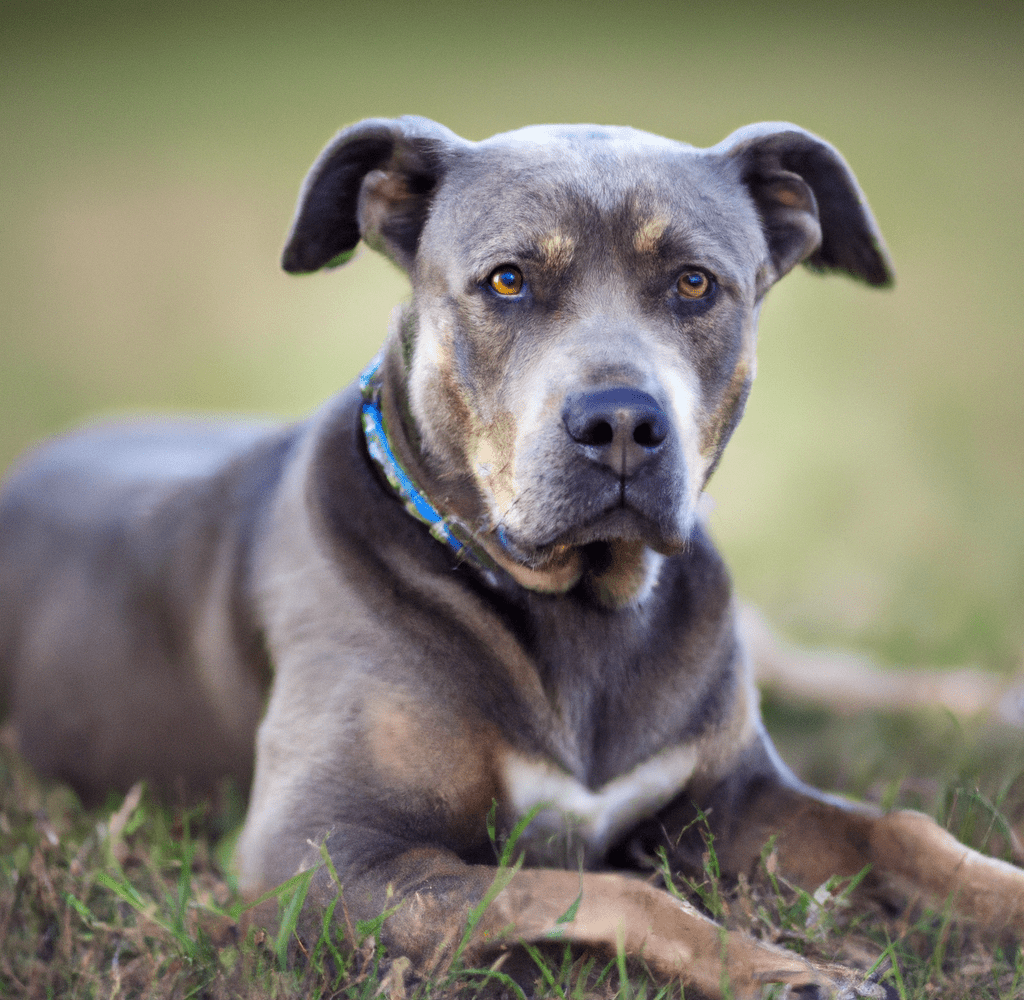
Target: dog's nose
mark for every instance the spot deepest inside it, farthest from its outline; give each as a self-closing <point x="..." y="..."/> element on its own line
<point x="618" y="427"/>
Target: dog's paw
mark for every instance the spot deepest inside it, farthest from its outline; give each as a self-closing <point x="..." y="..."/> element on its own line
<point x="867" y="990"/>
<point x="841" y="988"/>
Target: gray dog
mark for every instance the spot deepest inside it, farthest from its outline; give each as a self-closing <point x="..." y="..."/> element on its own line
<point x="476" y="584"/>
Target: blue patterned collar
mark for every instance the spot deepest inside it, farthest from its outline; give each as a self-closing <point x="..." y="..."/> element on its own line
<point x="447" y="530"/>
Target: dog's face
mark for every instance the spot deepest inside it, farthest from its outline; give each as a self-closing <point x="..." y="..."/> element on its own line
<point x="585" y="335"/>
<point x="580" y="342"/>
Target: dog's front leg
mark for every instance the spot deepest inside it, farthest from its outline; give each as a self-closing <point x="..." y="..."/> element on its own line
<point x="432" y="897"/>
<point x="817" y="836"/>
<point x="910" y="857"/>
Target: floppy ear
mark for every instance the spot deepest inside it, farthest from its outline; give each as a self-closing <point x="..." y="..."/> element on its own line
<point x="810" y="203"/>
<point x="374" y="180"/>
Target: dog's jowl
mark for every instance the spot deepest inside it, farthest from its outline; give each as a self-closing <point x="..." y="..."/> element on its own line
<point x="476" y="583"/>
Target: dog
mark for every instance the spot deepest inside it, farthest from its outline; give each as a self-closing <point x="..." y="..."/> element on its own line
<point x="473" y="594"/>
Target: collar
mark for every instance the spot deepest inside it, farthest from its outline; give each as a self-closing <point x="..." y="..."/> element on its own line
<point x="447" y="530"/>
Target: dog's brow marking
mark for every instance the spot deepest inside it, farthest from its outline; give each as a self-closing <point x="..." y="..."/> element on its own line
<point x="557" y="249"/>
<point x="648" y="233"/>
<point x="599" y="817"/>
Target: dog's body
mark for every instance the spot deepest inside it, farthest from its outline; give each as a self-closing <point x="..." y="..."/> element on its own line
<point x="560" y="643"/>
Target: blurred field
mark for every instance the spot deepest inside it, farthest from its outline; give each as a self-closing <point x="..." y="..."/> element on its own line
<point x="872" y="496"/>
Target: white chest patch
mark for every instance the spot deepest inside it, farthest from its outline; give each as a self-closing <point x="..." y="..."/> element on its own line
<point x="570" y="813"/>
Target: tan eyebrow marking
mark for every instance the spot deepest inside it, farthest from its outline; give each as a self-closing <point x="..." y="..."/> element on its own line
<point x="648" y="233"/>
<point x="557" y="249"/>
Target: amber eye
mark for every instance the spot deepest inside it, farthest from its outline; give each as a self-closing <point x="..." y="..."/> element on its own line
<point x="693" y="284"/>
<point x="507" y="280"/>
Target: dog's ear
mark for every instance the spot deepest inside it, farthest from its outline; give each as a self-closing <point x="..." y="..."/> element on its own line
<point x="374" y="180"/>
<point x="810" y="203"/>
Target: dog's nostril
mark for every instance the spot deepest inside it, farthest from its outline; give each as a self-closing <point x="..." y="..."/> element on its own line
<point x="646" y="436"/>
<point x="599" y="433"/>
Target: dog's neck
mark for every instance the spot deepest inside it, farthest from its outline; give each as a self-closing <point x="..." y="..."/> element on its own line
<point x="446" y="529"/>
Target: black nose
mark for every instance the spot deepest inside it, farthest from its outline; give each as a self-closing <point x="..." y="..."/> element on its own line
<point x="618" y="427"/>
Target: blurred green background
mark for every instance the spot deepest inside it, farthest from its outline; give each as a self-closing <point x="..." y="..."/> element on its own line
<point x="873" y="495"/>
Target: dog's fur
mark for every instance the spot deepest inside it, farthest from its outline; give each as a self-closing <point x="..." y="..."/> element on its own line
<point x="578" y="660"/>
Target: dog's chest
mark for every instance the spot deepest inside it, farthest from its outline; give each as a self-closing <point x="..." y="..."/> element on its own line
<point x="571" y="824"/>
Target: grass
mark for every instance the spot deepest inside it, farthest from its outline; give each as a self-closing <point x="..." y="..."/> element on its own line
<point x="136" y="900"/>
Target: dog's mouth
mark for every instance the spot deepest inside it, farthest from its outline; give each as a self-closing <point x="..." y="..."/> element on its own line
<point x="616" y="557"/>
<point x="593" y="540"/>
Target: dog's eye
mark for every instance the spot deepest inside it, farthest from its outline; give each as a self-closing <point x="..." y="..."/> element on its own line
<point x="507" y="280"/>
<point x="693" y="284"/>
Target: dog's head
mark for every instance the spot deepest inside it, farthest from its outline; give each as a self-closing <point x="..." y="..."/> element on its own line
<point x="580" y="341"/>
